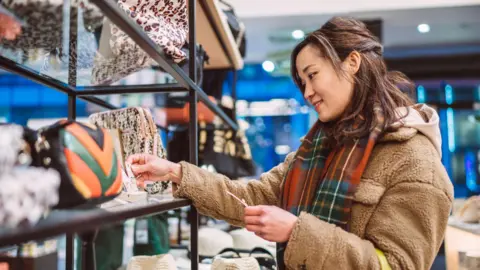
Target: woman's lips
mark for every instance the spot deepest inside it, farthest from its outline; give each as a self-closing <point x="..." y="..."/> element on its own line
<point x="317" y="104"/>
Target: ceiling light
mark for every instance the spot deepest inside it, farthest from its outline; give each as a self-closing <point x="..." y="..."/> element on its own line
<point x="268" y="66"/>
<point x="282" y="149"/>
<point x="298" y="34"/>
<point x="420" y="94"/>
<point x="423" y="28"/>
<point x="449" y="94"/>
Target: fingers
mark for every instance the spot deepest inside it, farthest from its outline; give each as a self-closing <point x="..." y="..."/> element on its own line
<point x="136" y="159"/>
<point x="254" y="210"/>
<point x="254" y="228"/>
<point x="253" y="220"/>
<point x="141" y="184"/>
<point x="150" y="177"/>
<point x="261" y="235"/>
<point x="141" y="169"/>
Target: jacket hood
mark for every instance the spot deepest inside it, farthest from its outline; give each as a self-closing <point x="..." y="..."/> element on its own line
<point x="419" y="118"/>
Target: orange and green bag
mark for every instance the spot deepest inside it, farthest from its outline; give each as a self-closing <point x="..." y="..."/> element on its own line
<point x="84" y="156"/>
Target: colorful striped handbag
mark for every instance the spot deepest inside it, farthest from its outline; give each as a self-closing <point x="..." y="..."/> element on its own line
<point x="139" y="135"/>
<point x="84" y="156"/>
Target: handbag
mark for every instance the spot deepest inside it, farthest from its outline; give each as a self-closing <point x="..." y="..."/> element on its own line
<point x="234" y="263"/>
<point x="176" y="110"/>
<point x="84" y="157"/>
<point x="16" y="143"/>
<point x="264" y="258"/>
<point x="201" y="58"/>
<point x="164" y="21"/>
<point x="157" y="262"/>
<point x="109" y="67"/>
<point x="213" y="80"/>
<point x="236" y="26"/>
<point x="23" y="203"/>
<point x="138" y="135"/>
<point x="44" y="19"/>
<point x="470" y="211"/>
<point x="226" y="150"/>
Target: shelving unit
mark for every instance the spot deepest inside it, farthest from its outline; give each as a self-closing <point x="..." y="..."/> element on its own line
<point x="213" y="34"/>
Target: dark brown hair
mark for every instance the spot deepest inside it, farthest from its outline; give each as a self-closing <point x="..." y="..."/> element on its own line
<point x="373" y="85"/>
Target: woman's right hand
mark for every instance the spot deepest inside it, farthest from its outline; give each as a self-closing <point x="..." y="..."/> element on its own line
<point x="152" y="168"/>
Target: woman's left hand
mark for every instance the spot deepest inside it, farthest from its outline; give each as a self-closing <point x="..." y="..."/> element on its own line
<point x="270" y="222"/>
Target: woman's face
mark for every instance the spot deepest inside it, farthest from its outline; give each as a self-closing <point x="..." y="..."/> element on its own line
<point x="327" y="91"/>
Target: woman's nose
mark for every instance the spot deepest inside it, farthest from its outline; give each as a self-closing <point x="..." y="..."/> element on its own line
<point x="308" y="92"/>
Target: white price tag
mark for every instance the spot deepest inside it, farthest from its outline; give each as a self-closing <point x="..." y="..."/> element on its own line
<point x="141" y="231"/>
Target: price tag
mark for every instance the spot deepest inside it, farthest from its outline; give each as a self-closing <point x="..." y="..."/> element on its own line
<point x="141" y="231"/>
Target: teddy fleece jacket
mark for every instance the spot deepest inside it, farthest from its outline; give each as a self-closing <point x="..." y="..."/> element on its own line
<point x="401" y="207"/>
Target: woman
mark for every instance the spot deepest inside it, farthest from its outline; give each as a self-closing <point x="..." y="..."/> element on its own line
<point x="365" y="190"/>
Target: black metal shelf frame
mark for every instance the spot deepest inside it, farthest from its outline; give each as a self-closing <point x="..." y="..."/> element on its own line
<point x="85" y="220"/>
<point x="88" y="93"/>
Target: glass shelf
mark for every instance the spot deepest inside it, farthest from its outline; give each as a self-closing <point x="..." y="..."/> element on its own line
<point x="44" y="47"/>
<point x="104" y="58"/>
<point x="104" y="54"/>
<point x="80" y="220"/>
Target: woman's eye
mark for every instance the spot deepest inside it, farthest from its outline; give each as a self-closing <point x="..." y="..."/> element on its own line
<point x="311" y="75"/>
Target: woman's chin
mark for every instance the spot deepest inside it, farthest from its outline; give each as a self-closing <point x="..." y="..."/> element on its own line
<point x="323" y="118"/>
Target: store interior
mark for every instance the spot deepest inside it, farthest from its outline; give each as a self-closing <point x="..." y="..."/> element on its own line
<point x="248" y="102"/>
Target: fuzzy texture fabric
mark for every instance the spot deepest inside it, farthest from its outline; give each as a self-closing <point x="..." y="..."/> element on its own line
<point x="323" y="180"/>
<point x="401" y="207"/>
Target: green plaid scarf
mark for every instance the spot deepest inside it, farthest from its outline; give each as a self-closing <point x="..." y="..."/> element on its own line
<point x="322" y="181"/>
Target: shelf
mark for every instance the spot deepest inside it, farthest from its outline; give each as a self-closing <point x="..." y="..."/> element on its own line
<point x="94" y="52"/>
<point x="216" y="37"/>
<point x="77" y="221"/>
<point x="79" y="74"/>
<point x="73" y="77"/>
<point x="128" y="89"/>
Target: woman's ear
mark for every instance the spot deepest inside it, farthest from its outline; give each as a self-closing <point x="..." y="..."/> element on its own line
<point x="352" y="62"/>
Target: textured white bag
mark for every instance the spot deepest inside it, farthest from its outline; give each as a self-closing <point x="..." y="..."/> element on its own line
<point x="247" y="263"/>
<point x="23" y="203"/>
<point x="245" y="240"/>
<point x="470" y="212"/>
<point x="212" y="241"/>
<point x="158" y="262"/>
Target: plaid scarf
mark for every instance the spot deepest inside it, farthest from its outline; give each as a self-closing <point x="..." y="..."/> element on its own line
<point x="322" y="180"/>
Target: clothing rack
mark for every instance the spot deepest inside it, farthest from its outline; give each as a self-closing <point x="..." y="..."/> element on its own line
<point x="85" y="223"/>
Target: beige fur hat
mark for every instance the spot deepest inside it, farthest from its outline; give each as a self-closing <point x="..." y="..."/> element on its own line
<point x="247" y="263"/>
<point x="158" y="262"/>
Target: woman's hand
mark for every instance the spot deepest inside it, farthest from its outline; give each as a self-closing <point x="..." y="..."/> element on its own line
<point x="9" y="28"/>
<point x="152" y="168"/>
<point x="270" y="222"/>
